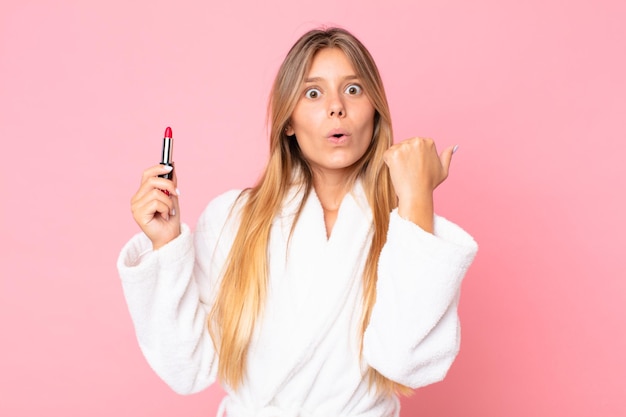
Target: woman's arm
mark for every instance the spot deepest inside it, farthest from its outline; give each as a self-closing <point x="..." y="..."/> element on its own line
<point x="169" y="292"/>
<point x="414" y="334"/>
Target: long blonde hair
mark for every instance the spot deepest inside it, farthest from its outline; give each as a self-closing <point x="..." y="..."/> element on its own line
<point x="243" y="289"/>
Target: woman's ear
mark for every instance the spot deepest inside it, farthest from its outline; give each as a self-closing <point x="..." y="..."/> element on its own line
<point x="289" y="130"/>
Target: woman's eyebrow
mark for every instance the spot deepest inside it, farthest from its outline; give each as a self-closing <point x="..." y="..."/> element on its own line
<point x="318" y="79"/>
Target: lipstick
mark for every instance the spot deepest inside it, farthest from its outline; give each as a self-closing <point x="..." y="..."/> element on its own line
<point x="166" y="154"/>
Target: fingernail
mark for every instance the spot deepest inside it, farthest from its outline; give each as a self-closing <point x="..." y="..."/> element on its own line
<point x="173" y="212"/>
<point x="168" y="168"/>
<point x="455" y="148"/>
<point x="177" y="191"/>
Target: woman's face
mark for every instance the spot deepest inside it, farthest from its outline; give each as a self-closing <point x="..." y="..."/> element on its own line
<point x="333" y="119"/>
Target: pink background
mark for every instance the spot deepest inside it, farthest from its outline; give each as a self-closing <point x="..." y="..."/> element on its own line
<point x="534" y="92"/>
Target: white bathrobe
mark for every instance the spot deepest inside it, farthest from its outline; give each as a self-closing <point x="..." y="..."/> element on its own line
<point x="304" y="358"/>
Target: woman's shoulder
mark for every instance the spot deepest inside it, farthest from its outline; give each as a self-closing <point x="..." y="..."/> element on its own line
<point x="226" y="200"/>
<point x="222" y="207"/>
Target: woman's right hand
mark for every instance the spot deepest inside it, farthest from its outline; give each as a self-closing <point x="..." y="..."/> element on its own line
<point x="156" y="212"/>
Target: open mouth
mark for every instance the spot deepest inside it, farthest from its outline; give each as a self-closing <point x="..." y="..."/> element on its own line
<point x="338" y="138"/>
<point x="337" y="135"/>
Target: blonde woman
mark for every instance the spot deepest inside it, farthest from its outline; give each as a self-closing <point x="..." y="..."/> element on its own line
<point x="327" y="288"/>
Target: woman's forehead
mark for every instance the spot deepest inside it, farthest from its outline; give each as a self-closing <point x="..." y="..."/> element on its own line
<point x="329" y="62"/>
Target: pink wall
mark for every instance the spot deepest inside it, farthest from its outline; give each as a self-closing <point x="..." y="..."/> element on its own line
<point x="534" y="92"/>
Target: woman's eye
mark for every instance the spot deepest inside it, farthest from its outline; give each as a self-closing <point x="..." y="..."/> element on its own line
<point x="354" y="89"/>
<point x="312" y="93"/>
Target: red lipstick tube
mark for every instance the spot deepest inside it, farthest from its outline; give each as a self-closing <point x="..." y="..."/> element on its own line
<point x="166" y="154"/>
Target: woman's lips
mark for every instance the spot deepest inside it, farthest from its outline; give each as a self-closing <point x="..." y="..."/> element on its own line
<point x="337" y="136"/>
<point x="338" y="140"/>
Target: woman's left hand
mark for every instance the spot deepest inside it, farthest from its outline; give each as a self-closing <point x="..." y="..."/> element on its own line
<point x="416" y="169"/>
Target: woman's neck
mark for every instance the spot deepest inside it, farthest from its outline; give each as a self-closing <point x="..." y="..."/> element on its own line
<point x="331" y="188"/>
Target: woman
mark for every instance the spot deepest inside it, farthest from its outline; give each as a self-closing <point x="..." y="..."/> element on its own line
<point x="327" y="288"/>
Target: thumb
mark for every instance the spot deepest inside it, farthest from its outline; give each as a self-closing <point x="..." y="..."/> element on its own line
<point x="446" y="157"/>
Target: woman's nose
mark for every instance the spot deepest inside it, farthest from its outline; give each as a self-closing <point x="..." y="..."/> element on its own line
<point x="336" y="107"/>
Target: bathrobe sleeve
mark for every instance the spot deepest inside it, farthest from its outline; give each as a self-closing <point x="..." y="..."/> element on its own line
<point x="169" y="293"/>
<point x="414" y="333"/>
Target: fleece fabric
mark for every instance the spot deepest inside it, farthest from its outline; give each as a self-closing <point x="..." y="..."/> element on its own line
<point x="305" y="358"/>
